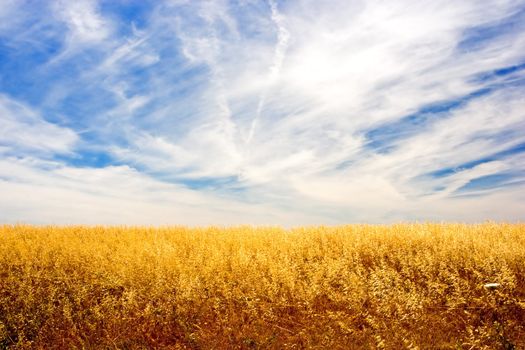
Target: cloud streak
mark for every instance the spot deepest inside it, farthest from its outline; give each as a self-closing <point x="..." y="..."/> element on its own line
<point x="283" y="37"/>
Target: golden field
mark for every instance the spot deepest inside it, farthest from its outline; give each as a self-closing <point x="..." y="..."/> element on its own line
<point x="406" y="286"/>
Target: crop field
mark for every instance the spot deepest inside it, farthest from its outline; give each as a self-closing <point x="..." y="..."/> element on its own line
<point x="405" y="286"/>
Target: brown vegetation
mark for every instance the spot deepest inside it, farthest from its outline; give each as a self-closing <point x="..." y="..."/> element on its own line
<point x="405" y="286"/>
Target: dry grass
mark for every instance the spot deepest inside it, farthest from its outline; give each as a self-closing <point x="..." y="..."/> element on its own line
<point x="349" y="287"/>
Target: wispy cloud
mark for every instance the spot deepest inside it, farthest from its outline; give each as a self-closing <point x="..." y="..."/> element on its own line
<point x="24" y="132"/>
<point x="85" y="24"/>
<point x="292" y="112"/>
<point x="283" y="36"/>
<point x="117" y="195"/>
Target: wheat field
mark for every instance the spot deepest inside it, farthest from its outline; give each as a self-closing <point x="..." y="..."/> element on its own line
<point x="404" y="286"/>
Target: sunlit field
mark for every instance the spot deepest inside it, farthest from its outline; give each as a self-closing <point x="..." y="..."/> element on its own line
<point x="406" y="286"/>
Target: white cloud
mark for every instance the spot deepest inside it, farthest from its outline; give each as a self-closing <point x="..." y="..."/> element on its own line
<point x="84" y="21"/>
<point x="280" y="96"/>
<point x="86" y="28"/>
<point x="23" y="130"/>
<point x="283" y="37"/>
<point x="133" y="52"/>
<point x="47" y="192"/>
<point x="347" y="68"/>
<point x="351" y="67"/>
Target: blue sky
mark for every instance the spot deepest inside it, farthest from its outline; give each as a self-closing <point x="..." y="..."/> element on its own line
<point x="261" y="112"/>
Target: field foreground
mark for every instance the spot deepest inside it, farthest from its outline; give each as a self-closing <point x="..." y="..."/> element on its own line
<point x="404" y="286"/>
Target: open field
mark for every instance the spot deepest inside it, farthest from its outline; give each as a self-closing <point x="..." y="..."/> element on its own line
<point x="350" y="287"/>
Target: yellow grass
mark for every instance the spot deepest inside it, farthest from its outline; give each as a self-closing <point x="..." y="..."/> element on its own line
<point x="404" y="286"/>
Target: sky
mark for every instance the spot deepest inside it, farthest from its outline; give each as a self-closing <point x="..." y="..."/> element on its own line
<point x="277" y="112"/>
